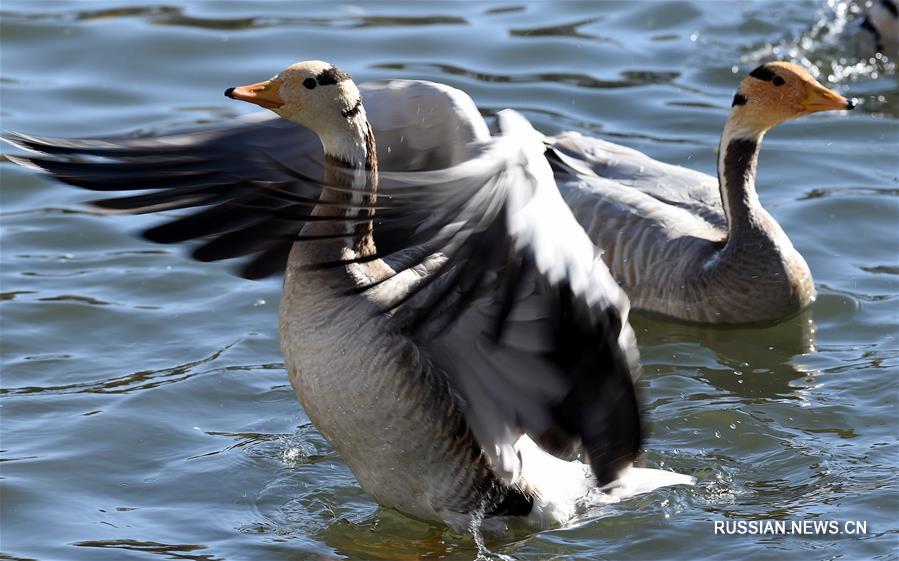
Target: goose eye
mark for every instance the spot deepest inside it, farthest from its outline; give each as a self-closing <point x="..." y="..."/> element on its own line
<point x="778" y="81"/>
<point x="309" y="83"/>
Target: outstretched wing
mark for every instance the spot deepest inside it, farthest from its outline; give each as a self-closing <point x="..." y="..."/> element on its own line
<point x="226" y="173"/>
<point x="516" y="307"/>
<point x="522" y="314"/>
<point x="236" y="175"/>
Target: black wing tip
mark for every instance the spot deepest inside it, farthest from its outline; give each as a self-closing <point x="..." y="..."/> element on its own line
<point x="602" y="408"/>
<point x="254" y="272"/>
<point x="206" y="254"/>
<point x="167" y="180"/>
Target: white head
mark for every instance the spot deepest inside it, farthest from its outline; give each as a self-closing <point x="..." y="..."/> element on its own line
<point x="315" y="94"/>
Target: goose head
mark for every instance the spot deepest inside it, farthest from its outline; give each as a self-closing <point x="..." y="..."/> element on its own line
<point x="315" y="94"/>
<point x="779" y="91"/>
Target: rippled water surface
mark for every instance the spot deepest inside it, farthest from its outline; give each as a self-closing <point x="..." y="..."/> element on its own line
<point x="145" y="410"/>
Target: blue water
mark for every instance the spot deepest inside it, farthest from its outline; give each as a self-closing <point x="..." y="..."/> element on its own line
<point x="144" y="409"/>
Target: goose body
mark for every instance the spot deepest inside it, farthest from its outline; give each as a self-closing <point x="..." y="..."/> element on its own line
<point x="665" y="236"/>
<point x="450" y="330"/>
<point x="685" y="244"/>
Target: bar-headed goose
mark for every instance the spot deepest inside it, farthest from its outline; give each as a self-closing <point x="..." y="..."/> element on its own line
<point x="684" y="244"/>
<point x="445" y="330"/>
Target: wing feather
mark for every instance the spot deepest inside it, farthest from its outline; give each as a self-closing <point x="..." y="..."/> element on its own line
<point x="522" y="315"/>
<point x="508" y="295"/>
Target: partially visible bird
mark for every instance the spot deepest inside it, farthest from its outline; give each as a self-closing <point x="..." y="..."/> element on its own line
<point x="879" y="28"/>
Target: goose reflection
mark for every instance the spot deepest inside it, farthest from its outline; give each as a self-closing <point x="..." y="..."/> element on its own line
<point x="748" y="361"/>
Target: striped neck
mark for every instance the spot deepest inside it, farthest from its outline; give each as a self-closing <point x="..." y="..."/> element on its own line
<point x="737" y="160"/>
<point x="756" y="274"/>
<point x="351" y="164"/>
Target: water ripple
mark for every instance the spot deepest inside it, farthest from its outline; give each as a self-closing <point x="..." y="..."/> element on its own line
<point x="142" y="380"/>
<point x="6" y="296"/>
<point x="630" y="79"/>
<point x="176" y="16"/>
<point x="881" y="269"/>
<point x="564" y="30"/>
<point x="832" y="50"/>
<point x="792" y="419"/>
<point x="840" y="191"/>
<point x="170" y="551"/>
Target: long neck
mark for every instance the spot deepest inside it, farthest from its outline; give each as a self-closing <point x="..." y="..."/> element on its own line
<point x="351" y="164"/>
<point x="756" y="275"/>
<point x="737" y="159"/>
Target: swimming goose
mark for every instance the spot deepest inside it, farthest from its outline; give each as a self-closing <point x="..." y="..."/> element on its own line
<point x="445" y="330"/>
<point x="684" y="244"/>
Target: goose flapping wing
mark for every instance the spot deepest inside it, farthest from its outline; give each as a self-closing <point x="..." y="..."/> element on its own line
<point x="539" y="342"/>
<point x="517" y="308"/>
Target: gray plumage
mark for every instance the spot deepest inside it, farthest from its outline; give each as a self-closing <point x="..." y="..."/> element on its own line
<point x="667" y="240"/>
<point x="481" y="318"/>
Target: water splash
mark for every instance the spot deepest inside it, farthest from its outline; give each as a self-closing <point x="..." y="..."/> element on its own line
<point x="294" y="451"/>
<point x="834" y="50"/>
<point x="475" y="524"/>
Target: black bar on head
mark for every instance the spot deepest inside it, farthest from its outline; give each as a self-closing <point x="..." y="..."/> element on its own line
<point x="331" y="75"/>
<point x="763" y="73"/>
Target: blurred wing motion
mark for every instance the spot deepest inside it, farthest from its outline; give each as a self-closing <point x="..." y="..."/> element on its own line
<point x="219" y="171"/>
<point x="530" y="326"/>
<point x="231" y="172"/>
<point x="494" y="277"/>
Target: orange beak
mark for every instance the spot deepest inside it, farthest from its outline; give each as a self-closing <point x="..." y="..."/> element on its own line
<point x="265" y="94"/>
<point x="820" y="98"/>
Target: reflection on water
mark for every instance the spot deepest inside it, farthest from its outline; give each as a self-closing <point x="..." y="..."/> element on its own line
<point x="749" y="362"/>
<point x="168" y="551"/>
